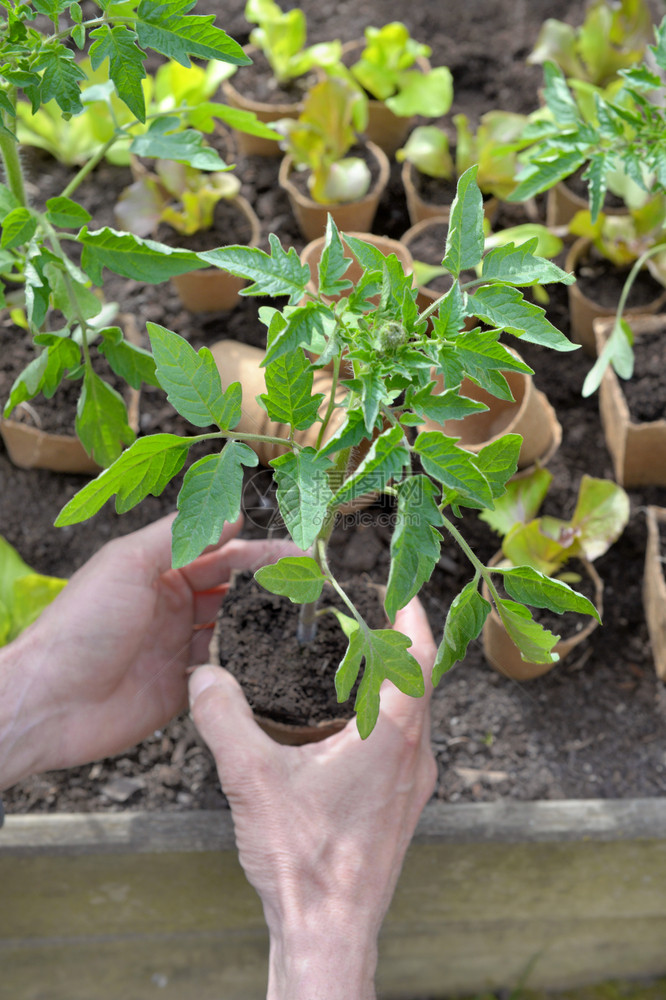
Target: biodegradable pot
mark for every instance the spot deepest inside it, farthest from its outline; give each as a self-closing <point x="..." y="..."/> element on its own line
<point x="583" y="310"/>
<point x="529" y="414"/>
<point x="419" y="209"/>
<point x="562" y="204"/>
<point x="354" y="215"/>
<point x="254" y="145"/>
<point x="502" y="653"/>
<point x="214" y="290"/>
<point x="311" y="255"/>
<point x="638" y="450"/>
<point x="654" y="589"/>
<point x="386" y="129"/>
<point x="426" y="295"/>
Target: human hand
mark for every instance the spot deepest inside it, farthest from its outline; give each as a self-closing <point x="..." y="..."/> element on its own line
<point x="322" y="829"/>
<point x="106" y="663"/>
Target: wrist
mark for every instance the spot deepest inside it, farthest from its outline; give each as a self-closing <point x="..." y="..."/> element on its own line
<point x="22" y="720"/>
<point x="322" y="959"/>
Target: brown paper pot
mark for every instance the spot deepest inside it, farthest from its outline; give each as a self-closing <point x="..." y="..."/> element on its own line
<point x="530" y="414"/>
<point x="504" y="655"/>
<point x="419" y="209"/>
<point x="311" y="255"/>
<point x="253" y="145"/>
<point x="426" y="295"/>
<point x="356" y="216"/>
<point x="583" y="310"/>
<point x="638" y="450"/>
<point x="562" y="204"/>
<point x="654" y="589"/>
<point x="214" y="290"/>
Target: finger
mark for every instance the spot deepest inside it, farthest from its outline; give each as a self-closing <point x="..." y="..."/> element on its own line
<point x="207" y="604"/>
<point x="250" y="555"/>
<point x="225" y="721"/>
<point x="210" y="568"/>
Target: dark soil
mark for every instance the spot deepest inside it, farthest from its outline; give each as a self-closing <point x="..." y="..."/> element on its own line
<point x="602" y="282"/>
<point x="257" y="83"/>
<point x="645" y="391"/>
<point x="256" y="640"/>
<point x="230" y="225"/>
<point x="434" y="190"/>
<point x="592" y="727"/>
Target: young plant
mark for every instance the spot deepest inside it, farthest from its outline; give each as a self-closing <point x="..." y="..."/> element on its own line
<point x="490" y="147"/>
<point x="319" y="139"/>
<point x="177" y="194"/>
<point x="388" y="71"/>
<point x="63" y="311"/>
<point x="281" y="36"/>
<point x="547" y="543"/>
<point x="23" y="593"/>
<point x="612" y="37"/>
<point x="389" y="393"/>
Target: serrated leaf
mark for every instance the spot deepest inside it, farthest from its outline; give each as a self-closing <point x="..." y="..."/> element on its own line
<point x="133" y="257"/>
<point x="277" y="273"/>
<point x="101" y="420"/>
<point x="349" y="434"/>
<point x="210" y="497"/>
<point x="167" y="28"/>
<point x="464" y="621"/>
<point x="545" y="173"/>
<point x="504" y="308"/>
<point x="18" y="228"/>
<point x="386" y="458"/>
<point x="144" y="468"/>
<point x="131" y="362"/>
<point x="450" y="317"/>
<point x="297" y="577"/>
<point x="303" y="493"/>
<point x="448" y="464"/>
<point x="479" y="355"/>
<point x="192" y="382"/>
<point x="66" y="214"/>
<point x="332" y="263"/>
<point x="415" y="543"/>
<point x="517" y="265"/>
<point x="289" y="399"/>
<point x="118" y="45"/>
<point x="167" y="140"/>
<point x="442" y="406"/>
<point x="299" y="327"/>
<point x="464" y="241"/>
<point x="533" y="640"/>
<point x="44" y="373"/>
<point x="498" y="461"/>
<point x="386" y="658"/>
<point x="528" y="586"/>
<point x="60" y="79"/>
<point x="235" y="118"/>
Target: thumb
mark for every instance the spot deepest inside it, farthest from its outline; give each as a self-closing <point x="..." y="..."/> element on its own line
<point x="224" y="719"/>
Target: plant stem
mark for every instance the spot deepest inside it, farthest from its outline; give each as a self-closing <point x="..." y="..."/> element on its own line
<point x="10" y="157"/>
<point x="475" y="561"/>
<point x="88" y="167"/>
<point x="307" y="617"/>
<point x="331" y="401"/>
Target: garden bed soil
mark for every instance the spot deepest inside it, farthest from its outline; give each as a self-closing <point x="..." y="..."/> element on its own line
<point x="645" y="391"/>
<point x="230" y="226"/>
<point x="594" y="727"/>
<point x="602" y="282"/>
<point x="258" y="83"/>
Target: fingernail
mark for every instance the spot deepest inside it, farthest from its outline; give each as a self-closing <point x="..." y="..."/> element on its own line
<point x="202" y="678"/>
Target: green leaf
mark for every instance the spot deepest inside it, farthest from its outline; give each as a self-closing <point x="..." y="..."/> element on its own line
<point x="534" y="642"/>
<point x="299" y="327"/>
<point x="167" y="140"/>
<point x="277" y="273"/>
<point x="44" y="373"/>
<point x="118" y="45"/>
<point x="464" y="241"/>
<point x="601" y="515"/>
<point x="545" y="173"/>
<point x="333" y="263"/>
<point x="210" y="497"/>
<point x="616" y="351"/>
<point x="520" y="503"/>
<point x="66" y="214"/>
<point x="303" y="493"/>
<point x="132" y="363"/>
<point x="191" y="381"/>
<point x="60" y="80"/>
<point x="505" y="308"/>
<point x="442" y="406"/>
<point x="427" y="94"/>
<point x="386" y="657"/>
<point x="480" y="356"/>
<point x="498" y="461"/>
<point x="167" y="28"/>
<point x="23" y="593"/>
<point x="387" y="457"/>
<point x="415" y="543"/>
<point x="517" y="265"/>
<point x="240" y="121"/>
<point x="528" y="586"/>
<point x="145" y="468"/>
<point x="101" y="420"/>
<point x="464" y="621"/>
<point x="18" y="228"/>
<point x="297" y="577"/>
<point x="133" y="257"/>
<point x="289" y="399"/>
<point x="349" y="434"/>
<point x="450" y="317"/>
<point x="447" y="463"/>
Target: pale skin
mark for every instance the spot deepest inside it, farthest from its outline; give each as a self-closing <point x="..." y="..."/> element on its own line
<point x="321" y="830"/>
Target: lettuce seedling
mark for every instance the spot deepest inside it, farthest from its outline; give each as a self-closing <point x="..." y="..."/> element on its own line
<point x="63" y="311"/>
<point x="23" y="593"/>
<point x="333" y="114"/>
<point x="281" y="36"/>
<point x="389" y="393"/>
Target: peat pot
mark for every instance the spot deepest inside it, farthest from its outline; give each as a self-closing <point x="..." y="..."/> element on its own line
<point x="638" y="449"/>
<point x="211" y="289"/>
<point x="562" y="203"/>
<point x="254" y="145"/>
<point x="419" y="209"/>
<point x="353" y="215"/>
<point x="502" y="653"/>
<point x="141" y="905"/>
<point x="654" y="587"/>
<point x="584" y="310"/>
<point x="311" y="256"/>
